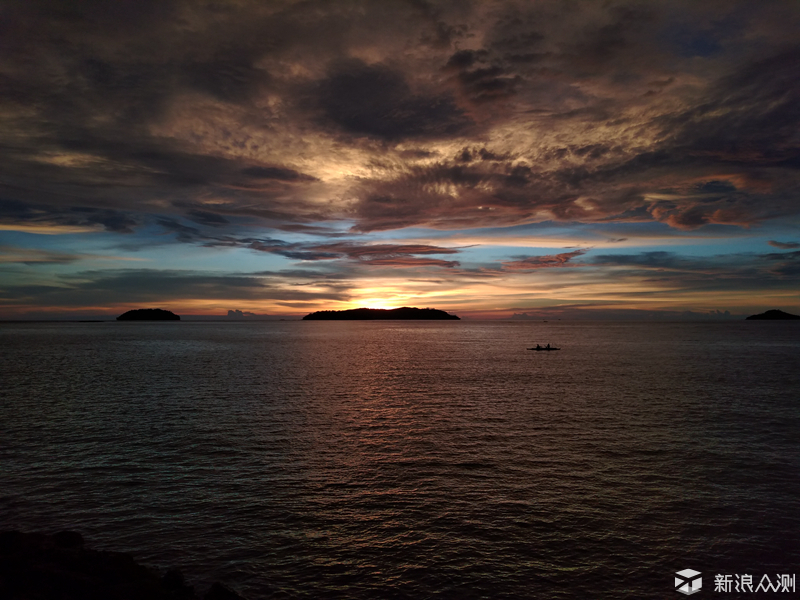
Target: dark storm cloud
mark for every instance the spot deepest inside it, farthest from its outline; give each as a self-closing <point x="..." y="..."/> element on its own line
<point x="376" y="100"/>
<point x="28" y="256"/>
<point x="787" y="268"/>
<point x="532" y="263"/>
<point x="784" y="245"/>
<point x="396" y="255"/>
<point x="400" y="255"/>
<point x="281" y="174"/>
<point x="752" y="116"/>
<point x="783" y="255"/>
<point x="481" y="114"/>
<point x="649" y="260"/>
<point x="15" y="212"/>
<point x="464" y="59"/>
<point x="147" y="286"/>
<point x="184" y="233"/>
<point x="85" y="85"/>
<point x="136" y="173"/>
<point x="544" y="43"/>
<point x="741" y="271"/>
<point x="206" y="218"/>
<point x="328" y="232"/>
<point x="488" y="83"/>
<point x="409" y="261"/>
<point x="57" y="59"/>
<point x="473" y="154"/>
<point x="293" y="251"/>
<point x="112" y="220"/>
<point x="743" y="128"/>
<point x="746" y="130"/>
<point x="383" y="250"/>
<point x="230" y="76"/>
<point x="460" y="194"/>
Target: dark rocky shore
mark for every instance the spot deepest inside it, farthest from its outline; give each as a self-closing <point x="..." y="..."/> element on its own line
<point x="380" y="314"/>
<point x="36" y="566"/>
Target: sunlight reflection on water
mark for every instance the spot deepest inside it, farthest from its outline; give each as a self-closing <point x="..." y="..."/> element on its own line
<point x="411" y="459"/>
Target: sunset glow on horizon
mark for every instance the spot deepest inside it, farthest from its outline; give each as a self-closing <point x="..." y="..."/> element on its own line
<point x="491" y="159"/>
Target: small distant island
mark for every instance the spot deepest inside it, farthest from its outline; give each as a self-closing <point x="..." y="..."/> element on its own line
<point x="148" y="314"/>
<point x="376" y="314"/>
<point x="773" y="315"/>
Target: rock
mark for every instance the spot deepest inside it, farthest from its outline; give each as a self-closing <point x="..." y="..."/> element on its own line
<point x="34" y="566"/>
<point x="220" y="592"/>
<point x="173" y="580"/>
<point x="773" y="315"/>
<point x="68" y="539"/>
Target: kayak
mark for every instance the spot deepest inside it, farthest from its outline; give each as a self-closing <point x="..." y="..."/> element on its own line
<point x="537" y="349"/>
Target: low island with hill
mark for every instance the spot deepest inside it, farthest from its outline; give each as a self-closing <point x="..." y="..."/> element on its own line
<point x="149" y="314"/>
<point x="774" y="315"/>
<point x="381" y="314"/>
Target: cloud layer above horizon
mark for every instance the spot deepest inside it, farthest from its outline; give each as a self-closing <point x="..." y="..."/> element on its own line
<point x="280" y="157"/>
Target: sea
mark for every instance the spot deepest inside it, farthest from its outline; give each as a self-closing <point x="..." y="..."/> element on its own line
<point x="414" y="459"/>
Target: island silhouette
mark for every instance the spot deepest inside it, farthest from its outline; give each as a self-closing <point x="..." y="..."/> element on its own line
<point x="376" y="314"/>
<point x="148" y="314"/>
<point x="773" y="315"/>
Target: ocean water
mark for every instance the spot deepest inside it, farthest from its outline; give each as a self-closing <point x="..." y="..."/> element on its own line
<point x="411" y="459"/>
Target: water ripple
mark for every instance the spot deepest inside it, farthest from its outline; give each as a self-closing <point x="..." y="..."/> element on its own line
<point x="410" y="460"/>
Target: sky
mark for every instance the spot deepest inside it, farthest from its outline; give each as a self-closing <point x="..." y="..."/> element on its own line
<point x="494" y="159"/>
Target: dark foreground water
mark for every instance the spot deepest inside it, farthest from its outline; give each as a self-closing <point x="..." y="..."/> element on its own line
<point x="412" y="459"/>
